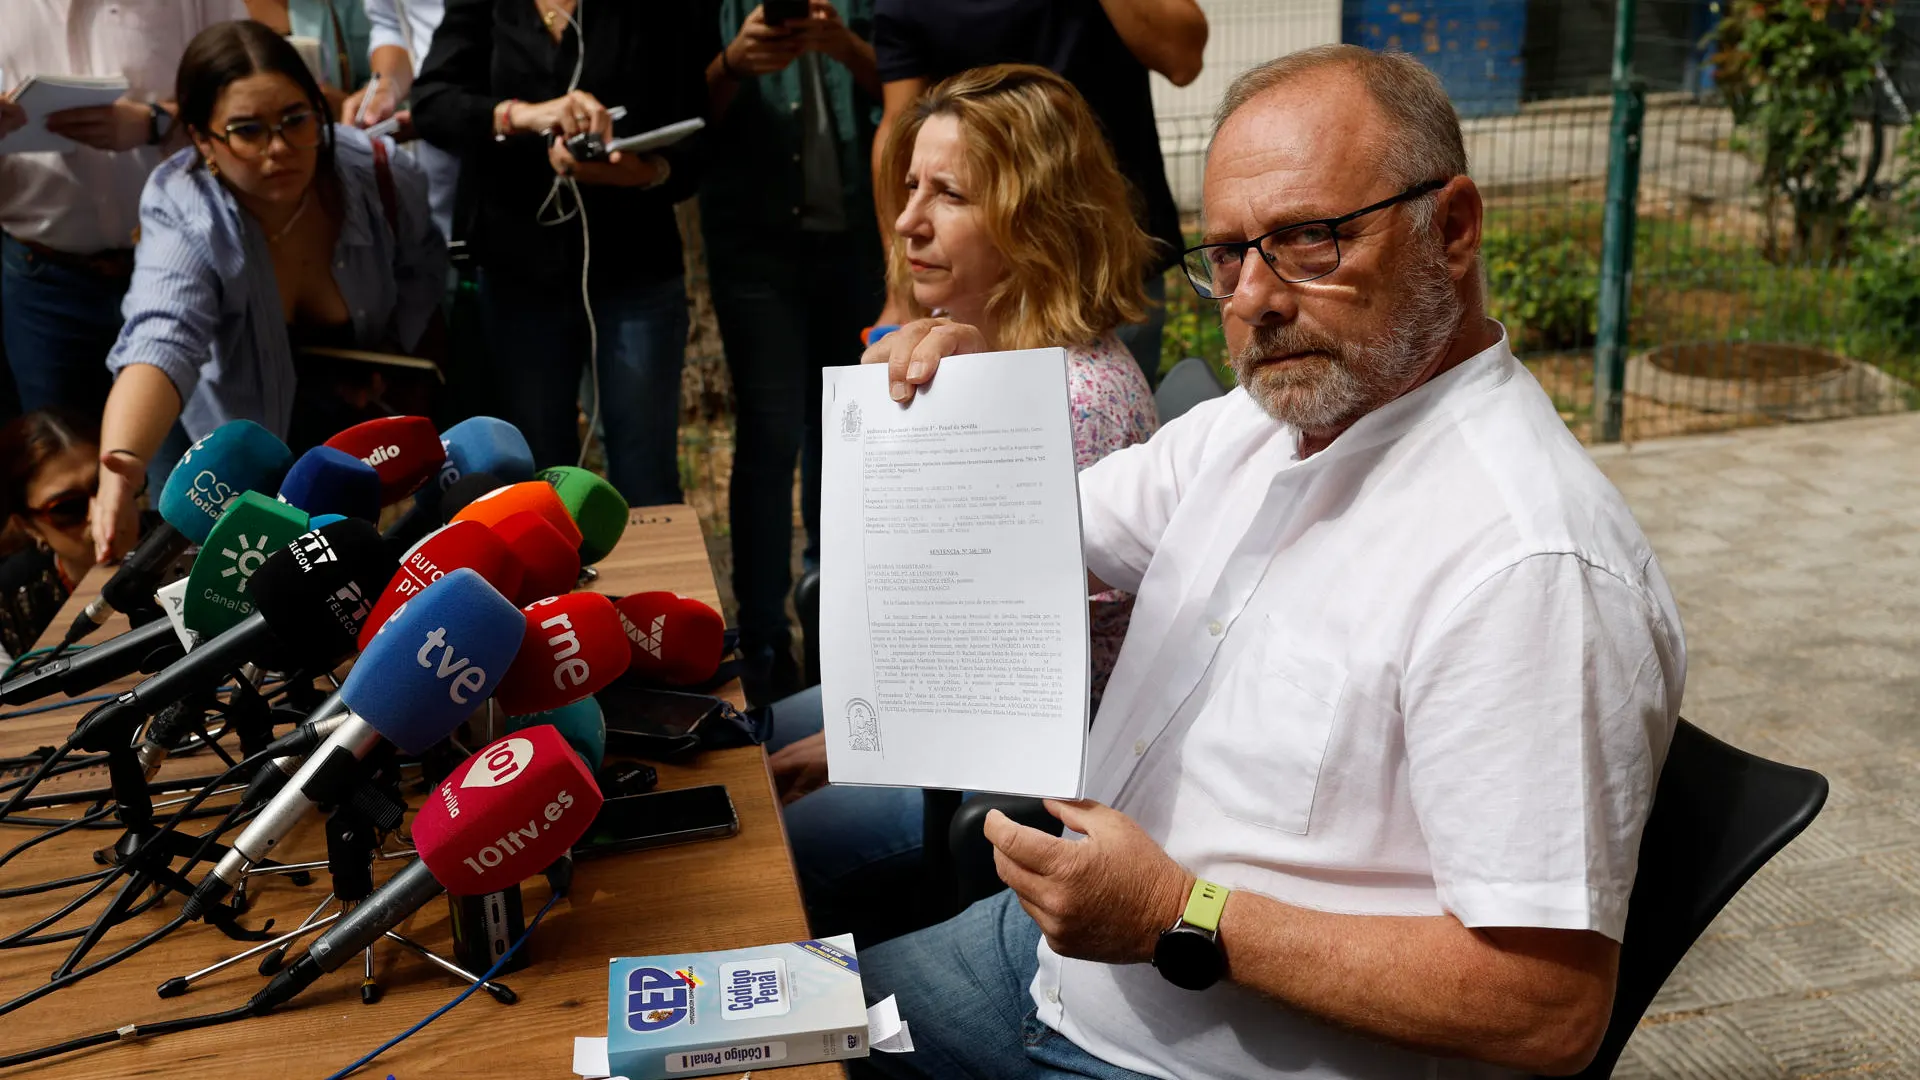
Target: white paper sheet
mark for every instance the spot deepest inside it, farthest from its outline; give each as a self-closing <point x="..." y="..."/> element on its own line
<point x="953" y="609"/>
<point x="43" y="96"/>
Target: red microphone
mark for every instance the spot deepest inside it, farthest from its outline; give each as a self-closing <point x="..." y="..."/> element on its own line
<point x="573" y="648"/>
<point x="676" y="639"/>
<point x="466" y="543"/>
<point x="503" y="815"/>
<point x="552" y="564"/>
<point x="535" y="495"/>
<point x="404" y="450"/>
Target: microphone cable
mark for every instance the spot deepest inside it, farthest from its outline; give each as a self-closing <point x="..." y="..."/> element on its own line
<point x="124" y="1033"/>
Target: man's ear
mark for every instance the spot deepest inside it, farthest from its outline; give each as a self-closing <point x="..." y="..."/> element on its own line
<point x="1459" y="216"/>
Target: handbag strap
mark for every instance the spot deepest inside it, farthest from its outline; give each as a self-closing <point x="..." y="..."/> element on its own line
<point x="383" y="175"/>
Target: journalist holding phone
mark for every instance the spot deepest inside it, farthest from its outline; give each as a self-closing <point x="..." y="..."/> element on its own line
<point x="504" y="75"/>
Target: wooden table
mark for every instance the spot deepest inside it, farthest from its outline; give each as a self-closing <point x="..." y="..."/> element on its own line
<point x="721" y="894"/>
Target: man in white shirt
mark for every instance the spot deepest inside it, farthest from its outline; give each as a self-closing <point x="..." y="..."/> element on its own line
<point x="397" y="50"/>
<point x="1368" y="784"/>
<point x="69" y="219"/>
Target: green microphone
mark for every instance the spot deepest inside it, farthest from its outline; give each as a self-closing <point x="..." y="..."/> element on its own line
<point x="595" y="507"/>
<point x="252" y="527"/>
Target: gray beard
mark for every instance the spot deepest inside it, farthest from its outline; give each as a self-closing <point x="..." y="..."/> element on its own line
<point x="1344" y="380"/>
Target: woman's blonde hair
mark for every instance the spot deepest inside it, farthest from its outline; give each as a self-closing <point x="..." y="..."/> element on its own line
<point x="1054" y="204"/>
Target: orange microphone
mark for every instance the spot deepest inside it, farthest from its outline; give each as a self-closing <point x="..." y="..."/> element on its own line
<point x="536" y="496"/>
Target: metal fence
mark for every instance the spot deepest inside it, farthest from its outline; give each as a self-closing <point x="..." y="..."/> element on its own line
<point x="1729" y="322"/>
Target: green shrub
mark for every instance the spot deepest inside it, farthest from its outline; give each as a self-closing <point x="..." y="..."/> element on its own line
<point x="1544" y="285"/>
<point x="1883" y="301"/>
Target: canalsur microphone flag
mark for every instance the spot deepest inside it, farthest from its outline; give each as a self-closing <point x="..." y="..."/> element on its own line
<point x="506" y="813"/>
<point x="435" y="661"/>
<point x="464" y="543"/>
<point x="552" y="565"/>
<point x="594" y="505"/>
<point x="404" y="450"/>
<point x="574" y="646"/>
<point x="237" y="456"/>
<point x="534" y="495"/>
<point x="676" y="640"/>
<point x="329" y="481"/>
<point x="583" y="724"/>
<point x="253" y="528"/>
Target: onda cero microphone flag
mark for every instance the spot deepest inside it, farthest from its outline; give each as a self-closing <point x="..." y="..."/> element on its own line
<point x="404" y="451"/>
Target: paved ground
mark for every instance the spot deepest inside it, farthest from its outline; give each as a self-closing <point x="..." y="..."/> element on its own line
<point x="1795" y="555"/>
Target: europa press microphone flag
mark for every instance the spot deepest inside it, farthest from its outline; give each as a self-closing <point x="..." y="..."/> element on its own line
<point x="404" y="450"/>
<point x="462" y="544"/>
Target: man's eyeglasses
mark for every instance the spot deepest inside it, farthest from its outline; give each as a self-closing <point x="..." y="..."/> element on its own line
<point x="65" y="511"/>
<point x="1303" y="251"/>
<point x="251" y="138"/>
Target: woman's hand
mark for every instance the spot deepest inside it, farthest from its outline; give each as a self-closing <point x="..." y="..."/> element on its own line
<point x="113" y="517"/>
<point x="759" y="49"/>
<point x="568" y="115"/>
<point x="13" y="117"/>
<point x="621" y="169"/>
<point x="800" y="768"/>
<point x="913" y="352"/>
<point x="124" y="125"/>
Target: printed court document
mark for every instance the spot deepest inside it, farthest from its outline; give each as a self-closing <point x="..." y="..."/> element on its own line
<point x="953" y="606"/>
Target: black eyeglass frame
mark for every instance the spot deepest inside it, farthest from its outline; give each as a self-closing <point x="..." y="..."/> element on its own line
<point x="1332" y="225"/>
<point x="274" y="130"/>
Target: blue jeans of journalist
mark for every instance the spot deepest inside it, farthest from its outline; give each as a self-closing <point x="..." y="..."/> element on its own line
<point x="59" y="322"/>
<point x="537" y="345"/>
<point x="787" y="306"/>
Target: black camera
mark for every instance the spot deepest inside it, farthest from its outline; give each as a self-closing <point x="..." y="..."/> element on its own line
<point x="587" y="146"/>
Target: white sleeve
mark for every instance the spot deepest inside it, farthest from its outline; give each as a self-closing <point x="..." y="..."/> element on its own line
<point x="386" y="27"/>
<point x="1537" y="717"/>
<point x="1128" y="497"/>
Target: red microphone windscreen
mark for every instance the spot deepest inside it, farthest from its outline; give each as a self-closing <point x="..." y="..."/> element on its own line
<point x="404" y="450"/>
<point x="676" y="639"/>
<point x="466" y="543"/>
<point x="506" y="813"/>
<point x="574" y="646"/>
<point x="535" y="495"/>
<point x="552" y="563"/>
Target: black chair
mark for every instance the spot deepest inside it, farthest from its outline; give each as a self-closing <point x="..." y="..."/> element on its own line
<point x="1718" y="815"/>
<point x="1186" y="384"/>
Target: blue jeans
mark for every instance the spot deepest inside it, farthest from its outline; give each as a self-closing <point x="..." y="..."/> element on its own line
<point x="537" y="340"/>
<point x="787" y="307"/>
<point x="962" y="988"/>
<point x="59" y="324"/>
<point x="1143" y="338"/>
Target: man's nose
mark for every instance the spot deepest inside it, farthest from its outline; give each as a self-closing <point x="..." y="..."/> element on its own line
<point x="1260" y="298"/>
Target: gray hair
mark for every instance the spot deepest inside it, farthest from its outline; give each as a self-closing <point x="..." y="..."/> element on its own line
<point x="1424" y="140"/>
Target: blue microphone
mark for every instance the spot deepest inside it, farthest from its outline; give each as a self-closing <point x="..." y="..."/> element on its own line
<point x="321" y="521"/>
<point x="475" y="446"/>
<point x="330" y="481"/>
<point x="437" y="659"/>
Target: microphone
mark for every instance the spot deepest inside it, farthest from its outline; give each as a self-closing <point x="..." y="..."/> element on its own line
<point x="532" y="495"/>
<point x="310" y="599"/>
<point x="479" y="444"/>
<point x="464" y="543"/>
<point x="321" y="521"/>
<point x="404" y="451"/>
<point x="677" y="640"/>
<point x="504" y="815"/>
<point x="433" y="663"/>
<point x="252" y="527"/>
<point x="552" y="564"/>
<point x="594" y="505"/>
<point x="574" y="646"/>
<point x="329" y="481"/>
<point x="582" y="724"/>
<point x="292" y="748"/>
<point x="232" y="458"/>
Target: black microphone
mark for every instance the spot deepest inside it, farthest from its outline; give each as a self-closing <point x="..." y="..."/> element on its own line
<point x="145" y="648"/>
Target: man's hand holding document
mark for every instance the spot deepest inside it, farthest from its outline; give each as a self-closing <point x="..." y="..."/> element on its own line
<point x="954" y="597"/>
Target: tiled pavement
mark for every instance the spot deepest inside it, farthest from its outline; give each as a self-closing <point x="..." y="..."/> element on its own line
<point x="1794" y="553"/>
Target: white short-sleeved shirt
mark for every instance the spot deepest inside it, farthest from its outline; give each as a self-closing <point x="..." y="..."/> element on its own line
<point x="1432" y="669"/>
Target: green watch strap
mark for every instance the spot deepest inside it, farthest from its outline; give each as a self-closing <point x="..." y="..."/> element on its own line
<point x="1204" y="905"/>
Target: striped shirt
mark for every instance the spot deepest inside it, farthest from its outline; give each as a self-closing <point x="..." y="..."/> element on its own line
<point x="204" y="306"/>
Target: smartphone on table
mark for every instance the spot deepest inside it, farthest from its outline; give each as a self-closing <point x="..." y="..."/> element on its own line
<point x="658" y="819"/>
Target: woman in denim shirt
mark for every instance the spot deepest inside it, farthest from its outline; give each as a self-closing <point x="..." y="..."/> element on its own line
<point x="276" y="230"/>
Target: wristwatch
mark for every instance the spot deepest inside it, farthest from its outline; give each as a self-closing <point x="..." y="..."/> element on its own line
<point x="1189" y="954"/>
<point x="159" y="124"/>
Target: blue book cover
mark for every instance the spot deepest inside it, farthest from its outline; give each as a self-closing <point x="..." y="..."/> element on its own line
<point x="693" y="1014"/>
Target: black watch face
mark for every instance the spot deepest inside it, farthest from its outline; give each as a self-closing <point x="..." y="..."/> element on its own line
<point x="1189" y="958"/>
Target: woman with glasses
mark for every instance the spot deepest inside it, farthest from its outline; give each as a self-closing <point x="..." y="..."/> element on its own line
<point x="49" y="464"/>
<point x="275" y="232"/>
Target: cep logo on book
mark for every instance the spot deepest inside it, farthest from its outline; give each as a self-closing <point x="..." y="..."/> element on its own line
<point x="503" y="762"/>
<point x="754" y="988"/>
<point x="657" y="999"/>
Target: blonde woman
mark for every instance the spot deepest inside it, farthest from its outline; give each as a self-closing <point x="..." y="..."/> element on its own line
<point x="1009" y="216"/>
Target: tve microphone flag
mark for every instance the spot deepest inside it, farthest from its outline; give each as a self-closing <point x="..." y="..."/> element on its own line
<point x="253" y="528"/>
<point x="463" y="544"/>
<point x="594" y="505"/>
<point x="430" y="666"/>
<point x="676" y="640"/>
<point x="503" y="815"/>
<point x="404" y="450"/>
<point x="534" y="495"/>
<point x="329" y="481"/>
<point x="552" y="565"/>
<point x="236" y="456"/>
<point x="574" y="647"/>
